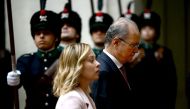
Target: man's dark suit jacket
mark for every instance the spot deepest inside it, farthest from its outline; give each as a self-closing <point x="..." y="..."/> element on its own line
<point x="111" y="90"/>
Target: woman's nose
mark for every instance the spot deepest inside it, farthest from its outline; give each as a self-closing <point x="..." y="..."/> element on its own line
<point x="98" y="64"/>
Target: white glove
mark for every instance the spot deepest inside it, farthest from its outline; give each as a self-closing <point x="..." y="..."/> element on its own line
<point x="13" y="78"/>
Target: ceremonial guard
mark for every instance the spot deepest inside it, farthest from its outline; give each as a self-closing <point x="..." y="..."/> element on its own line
<point x="99" y="23"/>
<point x="71" y="26"/>
<point x="154" y="73"/>
<point x="31" y="67"/>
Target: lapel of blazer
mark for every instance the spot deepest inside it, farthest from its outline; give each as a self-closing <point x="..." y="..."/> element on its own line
<point x="86" y="99"/>
<point x="104" y="57"/>
<point x="108" y="61"/>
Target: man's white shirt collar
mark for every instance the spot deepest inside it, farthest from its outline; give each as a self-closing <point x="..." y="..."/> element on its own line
<point x="117" y="63"/>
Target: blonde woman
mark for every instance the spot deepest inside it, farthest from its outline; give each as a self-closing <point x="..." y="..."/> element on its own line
<point x="76" y="70"/>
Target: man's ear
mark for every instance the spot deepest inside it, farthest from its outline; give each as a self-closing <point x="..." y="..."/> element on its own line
<point x="115" y="41"/>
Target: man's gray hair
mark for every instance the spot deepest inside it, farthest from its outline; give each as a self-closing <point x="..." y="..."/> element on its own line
<point x="119" y="28"/>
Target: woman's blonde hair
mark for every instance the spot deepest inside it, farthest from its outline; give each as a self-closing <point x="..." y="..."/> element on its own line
<point x="69" y="68"/>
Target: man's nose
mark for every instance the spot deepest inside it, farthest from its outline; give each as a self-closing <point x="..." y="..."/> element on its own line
<point x="65" y="26"/>
<point x="41" y="34"/>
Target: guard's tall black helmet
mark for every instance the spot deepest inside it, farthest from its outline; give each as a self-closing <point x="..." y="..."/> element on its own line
<point x="46" y="20"/>
<point x="100" y="21"/>
<point x="72" y="19"/>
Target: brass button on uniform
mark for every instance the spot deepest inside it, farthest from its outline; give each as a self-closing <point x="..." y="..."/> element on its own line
<point x="47" y="95"/>
<point x="43" y="55"/>
<point x="45" y="68"/>
<point x="45" y="60"/>
<point x="46" y="103"/>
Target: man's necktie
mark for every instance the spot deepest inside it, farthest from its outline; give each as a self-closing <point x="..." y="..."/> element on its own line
<point x="124" y="74"/>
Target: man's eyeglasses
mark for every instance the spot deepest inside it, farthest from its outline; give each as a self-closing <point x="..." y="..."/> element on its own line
<point x="131" y="45"/>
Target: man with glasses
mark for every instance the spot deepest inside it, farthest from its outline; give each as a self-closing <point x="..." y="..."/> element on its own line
<point x="132" y="45"/>
<point x="113" y="90"/>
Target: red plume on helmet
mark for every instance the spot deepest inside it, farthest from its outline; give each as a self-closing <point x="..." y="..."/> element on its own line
<point x="99" y="14"/>
<point x="66" y="11"/>
<point x="130" y="15"/>
<point x="42" y="7"/>
<point x="129" y="7"/>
